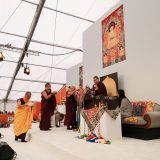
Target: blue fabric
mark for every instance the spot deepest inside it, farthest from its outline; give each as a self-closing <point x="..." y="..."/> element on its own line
<point x="78" y="117"/>
<point x="92" y="140"/>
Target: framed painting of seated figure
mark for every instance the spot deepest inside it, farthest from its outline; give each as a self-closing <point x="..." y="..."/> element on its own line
<point x="113" y="40"/>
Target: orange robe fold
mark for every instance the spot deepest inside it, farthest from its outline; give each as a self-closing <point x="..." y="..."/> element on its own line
<point x="23" y="119"/>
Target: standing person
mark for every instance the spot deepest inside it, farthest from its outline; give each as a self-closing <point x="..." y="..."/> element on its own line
<point x="48" y="105"/>
<point x="71" y="108"/>
<point x="79" y="96"/>
<point x="88" y="98"/>
<point x="124" y="104"/>
<point x="121" y="95"/>
<point x="23" y="117"/>
<point x="98" y="87"/>
<point x="99" y="90"/>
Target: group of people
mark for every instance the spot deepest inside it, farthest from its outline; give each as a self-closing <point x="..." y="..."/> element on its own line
<point x="74" y="102"/>
<point x="24" y="113"/>
<point x="6" y="112"/>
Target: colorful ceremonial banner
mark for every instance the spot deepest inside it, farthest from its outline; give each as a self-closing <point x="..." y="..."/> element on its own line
<point x="81" y="76"/>
<point x="113" y="40"/>
<point x="61" y="95"/>
<point x="37" y="111"/>
<point x="92" y="116"/>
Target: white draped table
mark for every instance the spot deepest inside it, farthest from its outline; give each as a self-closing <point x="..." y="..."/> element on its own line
<point x="109" y="128"/>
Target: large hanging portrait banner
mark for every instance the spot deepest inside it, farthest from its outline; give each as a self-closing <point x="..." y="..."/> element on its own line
<point x="113" y="40"/>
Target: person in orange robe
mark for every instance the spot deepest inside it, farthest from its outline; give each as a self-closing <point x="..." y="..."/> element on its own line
<point x="23" y="117"/>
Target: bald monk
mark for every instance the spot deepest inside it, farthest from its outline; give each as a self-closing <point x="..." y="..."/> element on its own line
<point x="23" y="117"/>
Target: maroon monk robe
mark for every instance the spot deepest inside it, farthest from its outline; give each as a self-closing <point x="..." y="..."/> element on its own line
<point x="71" y="108"/>
<point x="101" y="89"/>
<point x="47" y="110"/>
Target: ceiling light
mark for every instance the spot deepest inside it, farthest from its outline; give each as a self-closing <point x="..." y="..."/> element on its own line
<point x="26" y="70"/>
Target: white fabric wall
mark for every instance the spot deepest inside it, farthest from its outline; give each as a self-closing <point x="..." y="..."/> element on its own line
<point x="73" y="76"/>
<point x="10" y="106"/>
<point x="139" y="74"/>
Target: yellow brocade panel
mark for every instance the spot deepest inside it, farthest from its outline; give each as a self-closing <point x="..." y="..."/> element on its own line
<point x="110" y="85"/>
<point x="150" y="106"/>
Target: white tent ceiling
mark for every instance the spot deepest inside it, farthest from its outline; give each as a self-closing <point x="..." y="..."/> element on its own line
<point x="16" y="17"/>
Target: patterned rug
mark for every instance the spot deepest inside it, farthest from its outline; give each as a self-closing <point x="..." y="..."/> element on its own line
<point x="92" y="116"/>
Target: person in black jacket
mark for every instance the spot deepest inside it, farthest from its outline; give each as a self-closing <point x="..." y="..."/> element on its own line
<point x="71" y="108"/>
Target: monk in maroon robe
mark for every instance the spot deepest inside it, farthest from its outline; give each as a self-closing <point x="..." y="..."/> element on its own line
<point x="71" y="108"/>
<point x="98" y="87"/>
<point x="48" y="105"/>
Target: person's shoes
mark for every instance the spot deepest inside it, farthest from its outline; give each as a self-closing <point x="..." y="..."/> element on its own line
<point x="23" y="140"/>
<point x="16" y="138"/>
<point x="57" y="126"/>
<point x="74" y="127"/>
<point x="41" y="129"/>
<point x="68" y="128"/>
<point x="47" y="129"/>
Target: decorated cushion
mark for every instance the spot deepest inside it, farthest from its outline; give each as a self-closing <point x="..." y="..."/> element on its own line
<point x="126" y="108"/>
<point x="139" y="103"/>
<point x="156" y="107"/>
<point x="138" y="110"/>
<point x="131" y="119"/>
<point x="150" y="106"/>
<point x="134" y="120"/>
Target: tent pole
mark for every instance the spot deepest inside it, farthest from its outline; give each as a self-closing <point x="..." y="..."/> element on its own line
<point x="27" y="43"/>
<point x="4" y="107"/>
